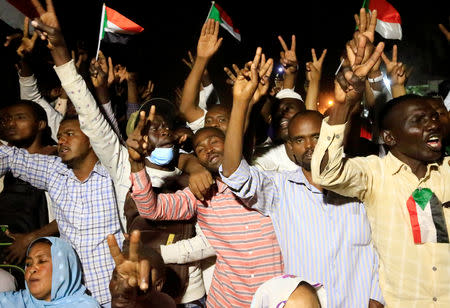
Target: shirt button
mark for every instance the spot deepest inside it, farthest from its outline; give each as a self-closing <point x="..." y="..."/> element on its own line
<point x="252" y="275"/>
<point x="250" y="252"/>
<point x="246" y="227"/>
<point x="337" y="136"/>
<point x="434" y="268"/>
<point x="404" y="167"/>
<point x="435" y="299"/>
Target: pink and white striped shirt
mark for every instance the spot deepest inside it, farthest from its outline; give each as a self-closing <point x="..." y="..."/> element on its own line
<point x="244" y="240"/>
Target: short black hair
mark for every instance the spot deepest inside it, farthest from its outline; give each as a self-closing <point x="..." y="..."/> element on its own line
<point x="390" y="105"/>
<point x="37" y="110"/>
<point x="163" y="107"/>
<point x="70" y="117"/>
<point x="219" y="133"/>
<point x="40" y="115"/>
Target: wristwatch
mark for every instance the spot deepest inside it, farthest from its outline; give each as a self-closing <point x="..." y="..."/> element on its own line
<point x="376" y="79"/>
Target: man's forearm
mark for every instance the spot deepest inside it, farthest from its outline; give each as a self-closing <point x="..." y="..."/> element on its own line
<point x="312" y="95"/>
<point x="398" y="90"/>
<point x="50" y="229"/>
<point x="191" y="89"/>
<point x="339" y="114"/>
<point x="234" y="139"/>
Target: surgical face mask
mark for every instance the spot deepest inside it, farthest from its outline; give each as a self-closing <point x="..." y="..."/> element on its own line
<point x="162" y="156"/>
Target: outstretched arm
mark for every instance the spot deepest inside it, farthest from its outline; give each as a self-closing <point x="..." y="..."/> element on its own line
<point x="348" y="177"/>
<point x="207" y="46"/>
<point x="313" y="75"/>
<point x="396" y="72"/>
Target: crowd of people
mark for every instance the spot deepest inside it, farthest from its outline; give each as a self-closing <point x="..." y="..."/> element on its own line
<point x="262" y="201"/>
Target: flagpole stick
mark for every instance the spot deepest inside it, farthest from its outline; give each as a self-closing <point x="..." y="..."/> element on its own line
<point x="101" y="31"/>
<point x="210" y="9"/>
<point x="339" y="67"/>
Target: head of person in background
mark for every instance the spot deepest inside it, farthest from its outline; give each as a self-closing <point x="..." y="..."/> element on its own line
<point x="24" y="124"/>
<point x="160" y="132"/>
<point x="303" y="134"/>
<point x="288" y="291"/>
<point x="218" y="116"/>
<point x="288" y="104"/>
<point x="411" y="129"/>
<point x="53" y="277"/>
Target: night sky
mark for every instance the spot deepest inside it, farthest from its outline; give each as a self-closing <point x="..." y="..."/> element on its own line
<point x="172" y="28"/>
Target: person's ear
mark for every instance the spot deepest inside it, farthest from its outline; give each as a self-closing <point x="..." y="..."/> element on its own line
<point x="388" y="138"/>
<point x="289" y="145"/>
<point x="42" y="125"/>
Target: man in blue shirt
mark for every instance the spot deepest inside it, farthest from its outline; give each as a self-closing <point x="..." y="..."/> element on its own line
<point x="324" y="237"/>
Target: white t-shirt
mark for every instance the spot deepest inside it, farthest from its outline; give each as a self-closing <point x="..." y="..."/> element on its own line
<point x="275" y="159"/>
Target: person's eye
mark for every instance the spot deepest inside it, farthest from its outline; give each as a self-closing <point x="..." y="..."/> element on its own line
<point x="208" y="121"/>
<point x="222" y="120"/>
<point x="316" y="137"/>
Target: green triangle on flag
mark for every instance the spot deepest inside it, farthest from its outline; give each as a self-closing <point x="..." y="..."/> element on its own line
<point x="422" y="196"/>
<point x="218" y="14"/>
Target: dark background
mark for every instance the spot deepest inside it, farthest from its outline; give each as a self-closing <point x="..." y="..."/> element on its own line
<point x="172" y="28"/>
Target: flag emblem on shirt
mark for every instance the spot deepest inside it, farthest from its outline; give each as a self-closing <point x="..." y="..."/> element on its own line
<point x="427" y="217"/>
<point x="116" y="28"/>
<point x="388" y="19"/>
<point x="218" y="14"/>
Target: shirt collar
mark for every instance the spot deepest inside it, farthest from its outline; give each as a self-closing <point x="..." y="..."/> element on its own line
<point x="394" y="164"/>
<point x="221" y="186"/>
<point x="98" y="168"/>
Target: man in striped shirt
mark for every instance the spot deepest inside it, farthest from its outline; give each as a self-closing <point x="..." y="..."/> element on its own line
<point x="244" y="240"/>
<point x="324" y="237"/>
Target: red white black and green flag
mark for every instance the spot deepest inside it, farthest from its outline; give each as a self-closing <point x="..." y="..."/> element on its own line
<point x="218" y="14"/>
<point x="116" y="28"/>
<point x="427" y="217"/>
<point x="388" y="19"/>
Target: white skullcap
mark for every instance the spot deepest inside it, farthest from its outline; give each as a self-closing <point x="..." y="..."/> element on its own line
<point x="288" y="93"/>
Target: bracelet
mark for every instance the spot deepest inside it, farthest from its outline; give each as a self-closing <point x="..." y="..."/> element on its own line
<point x="376" y="79"/>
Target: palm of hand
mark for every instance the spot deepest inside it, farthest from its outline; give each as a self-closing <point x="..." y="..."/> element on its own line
<point x="206" y="46"/>
<point x="129" y="272"/>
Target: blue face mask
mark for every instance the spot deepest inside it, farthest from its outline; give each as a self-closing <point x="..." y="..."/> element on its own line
<point x="162" y="156"/>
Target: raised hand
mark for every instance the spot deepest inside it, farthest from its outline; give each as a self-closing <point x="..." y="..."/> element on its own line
<point x="352" y="78"/>
<point x="314" y="68"/>
<point x="444" y="31"/>
<point x="28" y="43"/>
<point x="132" y="271"/>
<point x="208" y="43"/>
<point x="189" y="63"/>
<point x="138" y="143"/>
<point x="366" y="23"/>
<point x="288" y="57"/>
<point x="146" y="91"/>
<point x="247" y="81"/>
<point x="98" y="70"/>
<point x="264" y="71"/>
<point x="47" y="25"/>
<point x="231" y="76"/>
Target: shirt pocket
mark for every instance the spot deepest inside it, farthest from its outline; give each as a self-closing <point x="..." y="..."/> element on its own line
<point x="357" y="226"/>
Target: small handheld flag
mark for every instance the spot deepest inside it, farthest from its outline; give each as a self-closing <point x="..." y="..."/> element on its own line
<point x="116" y="28"/>
<point x="218" y="14"/>
<point x="388" y="19"/>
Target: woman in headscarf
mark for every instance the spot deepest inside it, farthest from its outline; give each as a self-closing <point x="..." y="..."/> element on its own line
<point x="53" y="278"/>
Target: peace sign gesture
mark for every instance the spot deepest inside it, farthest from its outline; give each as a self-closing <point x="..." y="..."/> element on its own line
<point x="351" y="81"/>
<point x="288" y="58"/>
<point x="130" y="271"/>
<point x="138" y="143"/>
<point x="27" y="44"/>
<point x="366" y="24"/>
